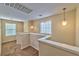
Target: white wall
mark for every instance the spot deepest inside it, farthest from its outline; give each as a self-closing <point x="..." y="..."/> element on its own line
<point x="26" y="39"/>
<point x="34" y="40"/>
<point x="23" y="40"/>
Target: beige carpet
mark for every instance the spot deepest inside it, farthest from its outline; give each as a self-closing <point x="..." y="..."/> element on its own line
<point x="11" y="49"/>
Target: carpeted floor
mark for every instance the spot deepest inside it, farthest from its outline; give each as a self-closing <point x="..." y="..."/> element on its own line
<point x="11" y="49"/>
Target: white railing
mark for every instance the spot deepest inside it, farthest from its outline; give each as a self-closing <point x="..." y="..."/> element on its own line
<point x="28" y="39"/>
<point x="34" y="39"/>
<point x="65" y="47"/>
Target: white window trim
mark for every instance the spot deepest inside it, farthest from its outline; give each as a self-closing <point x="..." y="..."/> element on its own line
<point x="6" y="29"/>
<point x="44" y="29"/>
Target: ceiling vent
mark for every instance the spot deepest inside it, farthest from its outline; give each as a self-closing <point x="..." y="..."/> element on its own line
<point x="19" y="7"/>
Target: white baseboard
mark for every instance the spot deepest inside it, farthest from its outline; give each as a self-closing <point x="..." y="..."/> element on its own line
<point x="24" y="46"/>
<point x="35" y="47"/>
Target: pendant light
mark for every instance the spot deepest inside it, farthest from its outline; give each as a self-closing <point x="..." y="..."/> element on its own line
<point x="64" y="22"/>
<point x="32" y="23"/>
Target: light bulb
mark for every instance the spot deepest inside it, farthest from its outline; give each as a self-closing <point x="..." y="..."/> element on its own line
<point x="31" y="27"/>
<point x="64" y="23"/>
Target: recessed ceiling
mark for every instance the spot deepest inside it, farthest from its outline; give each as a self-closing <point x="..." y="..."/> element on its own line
<point x="11" y="13"/>
<point x="39" y="10"/>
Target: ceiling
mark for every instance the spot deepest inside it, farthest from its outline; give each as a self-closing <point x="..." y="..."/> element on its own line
<point x="39" y="10"/>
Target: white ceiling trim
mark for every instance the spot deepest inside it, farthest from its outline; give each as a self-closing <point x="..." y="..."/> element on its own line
<point x="12" y="19"/>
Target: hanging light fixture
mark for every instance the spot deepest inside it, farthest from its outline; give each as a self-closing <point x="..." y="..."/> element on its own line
<point x="32" y="25"/>
<point x="64" y="22"/>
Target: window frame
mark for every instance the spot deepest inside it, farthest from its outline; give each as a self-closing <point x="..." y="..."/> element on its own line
<point x="45" y="26"/>
<point x="6" y="29"/>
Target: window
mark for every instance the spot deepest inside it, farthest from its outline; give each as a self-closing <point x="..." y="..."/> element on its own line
<point x="10" y="29"/>
<point x="45" y="27"/>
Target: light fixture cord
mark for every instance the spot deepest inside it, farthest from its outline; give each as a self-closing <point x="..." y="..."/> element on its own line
<point x="64" y="13"/>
